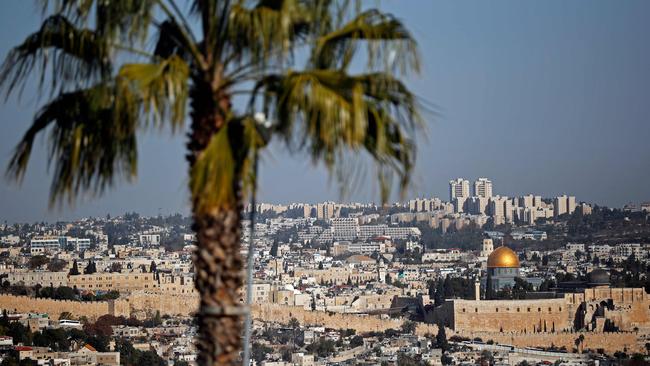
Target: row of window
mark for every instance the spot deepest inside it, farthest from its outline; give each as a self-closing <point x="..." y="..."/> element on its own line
<point x="539" y="310"/>
<point x="108" y="278"/>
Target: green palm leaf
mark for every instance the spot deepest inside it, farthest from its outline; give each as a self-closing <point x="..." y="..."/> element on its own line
<point x="161" y="88"/>
<point x="90" y="143"/>
<point x="79" y="55"/>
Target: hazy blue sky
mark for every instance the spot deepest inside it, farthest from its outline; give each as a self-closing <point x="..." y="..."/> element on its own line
<point x="547" y="97"/>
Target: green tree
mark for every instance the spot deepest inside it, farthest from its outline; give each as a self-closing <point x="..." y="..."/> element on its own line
<point x="110" y="77"/>
<point x="75" y="269"/>
<point x="274" y="248"/>
<point x="356" y="341"/>
<point x="408" y="327"/>
<point x="38" y="261"/>
<point x="489" y="289"/>
<point x="441" y="338"/>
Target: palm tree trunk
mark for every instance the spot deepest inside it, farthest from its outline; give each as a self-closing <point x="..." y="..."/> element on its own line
<point x="218" y="279"/>
<point x="217" y="259"/>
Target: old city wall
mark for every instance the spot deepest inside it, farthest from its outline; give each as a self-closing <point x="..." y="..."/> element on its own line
<point x="26" y="304"/>
<point x="511" y="315"/>
<point x="609" y="342"/>
<point x="142" y="305"/>
<point x="139" y="305"/>
<point x="283" y="314"/>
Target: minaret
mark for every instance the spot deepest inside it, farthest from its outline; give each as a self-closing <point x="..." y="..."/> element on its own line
<point x="477" y="290"/>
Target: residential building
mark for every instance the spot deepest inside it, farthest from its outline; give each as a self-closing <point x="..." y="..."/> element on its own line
<point x="483" y="188"/>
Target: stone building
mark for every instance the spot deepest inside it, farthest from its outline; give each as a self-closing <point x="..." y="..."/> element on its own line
<point x="43" y="278"/>
<point x="123" y="282"/>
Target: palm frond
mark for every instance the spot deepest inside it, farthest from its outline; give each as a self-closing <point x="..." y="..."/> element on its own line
<point x="160" y="88"/>
<point x="372" y="112"/>
<point x="90" y="143"/>
<point x="388" y="42"/>
<point x="72" y="55"/>
<point x="123" y="20"/>
<point x="267" y="30"/>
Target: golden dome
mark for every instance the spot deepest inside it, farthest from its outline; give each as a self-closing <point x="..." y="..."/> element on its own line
<point x="503" y="257"/>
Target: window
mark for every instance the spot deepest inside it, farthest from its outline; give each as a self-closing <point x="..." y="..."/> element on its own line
<point x="529" y="310"/>
<point x="539" y="310"/>
<point x="476" y="310"/>
<point x="497" y="310"/>
<point x="463" y="310"/>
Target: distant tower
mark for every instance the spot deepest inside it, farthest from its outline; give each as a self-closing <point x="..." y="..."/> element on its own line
<point x="458" y="193"/>
<point x="483" y="188"/>
<point x="477" y="290"/>
<point x="458" y="188"/>
<point x="488" y="247"/>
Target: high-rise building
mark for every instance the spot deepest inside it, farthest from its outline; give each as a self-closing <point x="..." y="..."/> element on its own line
<point x="458" y="188"/>
<point x="501" y="209"/>
<point x="564" y="204"/>
<point x="527" y="201"/>
<point x="483" y="188"/>
<point x="306" y="211"/>
<point x="477" y="205"/>
<point x="325" y="210"/>
<point x="460" y="203"/>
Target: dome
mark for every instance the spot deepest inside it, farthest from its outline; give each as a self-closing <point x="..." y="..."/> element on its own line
<point x="598" y="277"/>
<point x="503" y="257"/>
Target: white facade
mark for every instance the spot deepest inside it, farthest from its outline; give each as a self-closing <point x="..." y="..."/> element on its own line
<point x="149" y="239"/>
<point x="458" y="188"/>
<point x="345" y="228"/>
<point x="483" y="188"/>
<point x="44" y="244"/>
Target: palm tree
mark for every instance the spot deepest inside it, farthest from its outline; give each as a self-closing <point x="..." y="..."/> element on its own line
<point x="111" y="69"/>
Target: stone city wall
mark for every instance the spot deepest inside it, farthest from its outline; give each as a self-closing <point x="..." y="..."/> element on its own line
<point x="361" y="323"/>
<point x="140" y="305"/>
<point x="609" y="342"/>
<point x="512" y="315"/>
<point x="26" y="304"/>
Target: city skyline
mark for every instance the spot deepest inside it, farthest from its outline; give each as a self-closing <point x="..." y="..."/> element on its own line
<point x="524" y="107"/>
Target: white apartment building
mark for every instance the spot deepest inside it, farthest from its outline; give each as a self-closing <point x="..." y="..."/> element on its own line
<point x="628" y="249"/>
<point x="483" y="188"/>
<point x="458" y="188"/>
<point x="460" y="204"/>
<point x="564" y="204"/>
<point x="477" y="205"/>
<point x="44" y="244"/>
<point x="9" y="239"/>
<point x="501" y="209"/>
<point x="339" y="248"/>
<point x="442" y="255"/>
<point x="344" y="228"/>
<point x="395" y="232"/>
<point x="325" y="210"/>
<point x="600" y="251"/>
<point x="425" y="205"/>
<point x="574" y="247"/>
<point x="80" y="244"/>
<point x="149" y="239"/>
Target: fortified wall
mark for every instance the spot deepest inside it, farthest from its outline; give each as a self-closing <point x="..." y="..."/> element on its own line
<point x="26" y="304"/>
<point x="283" y="314"/>
<point x="503" y="315"/>
<point x="631" y="342"/>
<point x="138" y="304"/>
